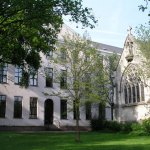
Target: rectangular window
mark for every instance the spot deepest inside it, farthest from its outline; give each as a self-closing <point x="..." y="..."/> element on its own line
<point x="88" y="111"/>
<point x="63" y="108"/>
<point x="63" y="79"/>
<point x="2" y="106"/>
<point x="3" y="73"/>
<point x="75" y="109"/>
<point x="18" y="74"/>
<point x="33" y="108"/>
<point x="33" y="77"/>
<point x="49" y="77"/>
<point x="18" y="107"/>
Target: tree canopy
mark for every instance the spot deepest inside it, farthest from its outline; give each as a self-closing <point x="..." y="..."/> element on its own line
<point x="143" y="40"/>
<point x="28" y="27"/>
<point x="80" y="72"/>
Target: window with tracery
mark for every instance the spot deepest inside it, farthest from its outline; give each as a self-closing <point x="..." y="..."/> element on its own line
<point x="133" y="88"/>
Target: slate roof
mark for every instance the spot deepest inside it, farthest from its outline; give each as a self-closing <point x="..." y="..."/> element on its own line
<point x="107" y="48"/>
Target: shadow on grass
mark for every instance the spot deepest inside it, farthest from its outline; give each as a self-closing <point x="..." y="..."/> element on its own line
<point x="65" y="141"/>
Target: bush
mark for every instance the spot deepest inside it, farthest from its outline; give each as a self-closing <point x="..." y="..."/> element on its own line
<point x="137" y="129"/>
<point x="126" y="127"/>
<point x="97" y="124"/>
<point x="146" y="125"/>
<point x="142" y="128"/>
<point x="113" y="126"/>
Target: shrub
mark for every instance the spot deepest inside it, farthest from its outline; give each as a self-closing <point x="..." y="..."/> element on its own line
<point x="146" y="125"/>
<point x="97" y="124"/>
<point x="126" y="127"/>
<point x="113" y="126"/>
<point x="137" y="129"/>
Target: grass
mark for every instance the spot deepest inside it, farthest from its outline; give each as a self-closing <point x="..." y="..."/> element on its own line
<point x="65" y="141"/>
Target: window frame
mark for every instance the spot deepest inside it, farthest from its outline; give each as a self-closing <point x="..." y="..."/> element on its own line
<point x="63" y="109"/>
<point x="18" y="101"/>
<point x="33" y="77"/>
<point x="3" y="73"/>
<point x="18" y="71"/>
<point x="33" y="108"/>
<point x="2" y="103"/>
<point x="49" y="77"/>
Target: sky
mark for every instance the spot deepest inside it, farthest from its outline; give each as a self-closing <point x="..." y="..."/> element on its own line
<point x="114" y="18"/>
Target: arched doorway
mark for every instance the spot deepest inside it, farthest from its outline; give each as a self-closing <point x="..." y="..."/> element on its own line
<point x="48" y="113"/>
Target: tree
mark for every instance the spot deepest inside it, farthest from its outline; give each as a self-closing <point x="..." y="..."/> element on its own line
<point x="28" y="27"/>
<point x="82" y="77"/>
<point x="143" y="41"/>
<point x="111" y="62"/>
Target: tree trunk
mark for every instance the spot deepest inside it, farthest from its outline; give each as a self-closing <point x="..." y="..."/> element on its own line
<point x="77" y="138"/>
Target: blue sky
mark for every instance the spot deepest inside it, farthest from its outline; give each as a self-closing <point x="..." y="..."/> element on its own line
<point x="114" y="18"/>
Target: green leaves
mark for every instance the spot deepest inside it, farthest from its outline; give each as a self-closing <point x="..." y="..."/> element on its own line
<point x="31" y="26"/>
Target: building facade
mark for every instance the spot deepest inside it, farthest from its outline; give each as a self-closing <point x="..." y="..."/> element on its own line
<point x="132" y="96"/>
<point x="32" y="106"/>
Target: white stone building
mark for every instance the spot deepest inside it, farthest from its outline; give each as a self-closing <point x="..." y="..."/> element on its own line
<point x="27" y="107"/>
<point x="132" y="96"/>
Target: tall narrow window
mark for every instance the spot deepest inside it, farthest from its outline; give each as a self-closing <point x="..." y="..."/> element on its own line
<point x="138" y="93"/>
<point x="63" y="108"/>
<point x="63" y="79"/>
<point x="133" y="94"/>
<point x="129" y="91"/>
<point x="2" y="106"/>
<point x="33" y="108"/>
<point x="3" y="73"/>
<point x="75" y="109"/>
<point x="88" y="111"/>
<point x="101" y="111"/>
<point x="142" y="92"/>
<point x="18" y="107"/>
<point x="33" y="77"/>
<point x="49" y="77"/>
<point x="18" y="74"/>
<point x="125" y="95"/>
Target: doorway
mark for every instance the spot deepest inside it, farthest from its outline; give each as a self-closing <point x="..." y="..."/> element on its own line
<point x="48" y="114"/>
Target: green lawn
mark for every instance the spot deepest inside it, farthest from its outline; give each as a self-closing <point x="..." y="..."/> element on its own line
<point x="65" y="141"/>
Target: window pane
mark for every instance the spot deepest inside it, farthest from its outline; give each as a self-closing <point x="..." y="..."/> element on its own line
<point x="2" y="106"/>
<point x="33" y="77"/>
<point x="18" y="107"/>
<point x="49" y="77"/>
<point x="33" y="108"/>
<point x="3" y="73"/>
<point x="18" y="74"/>
<point x="88" y="111"/>
<point x="138" y="93"/>
<point x="125" y="95"/>
<point x="75" y="109"/>
<point x="129" y="90"/>
<point x="133" y="94"/>
<point x="63" y="109"/>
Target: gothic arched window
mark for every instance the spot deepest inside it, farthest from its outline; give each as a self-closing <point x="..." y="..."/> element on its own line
<point x="138" y="92"/>
<point x="142" y="92"/>
<point x="125" y="94"/>
<point x="133" y="94"/>
<point x="129" y="91"/>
